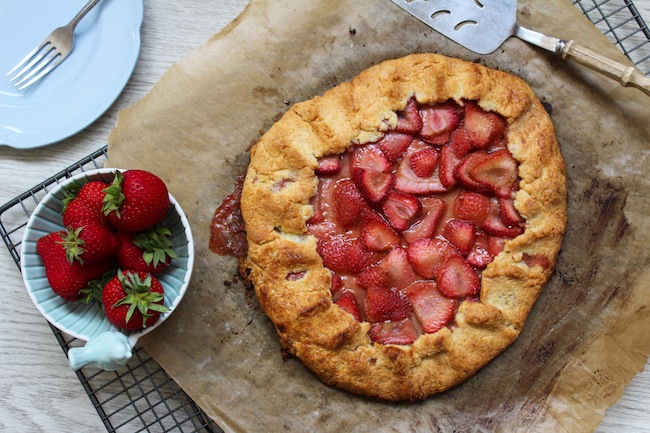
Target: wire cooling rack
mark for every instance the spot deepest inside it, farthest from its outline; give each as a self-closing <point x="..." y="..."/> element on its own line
<point x="621" y="22"/>
<point x="143" y="397"/>
<point x="140" y="397"/>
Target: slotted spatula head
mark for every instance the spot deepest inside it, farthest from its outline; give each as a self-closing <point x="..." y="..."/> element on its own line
<point x="478" y="25"/>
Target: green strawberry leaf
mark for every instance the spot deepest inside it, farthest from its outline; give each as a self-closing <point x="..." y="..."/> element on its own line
<point x="156" y="245"/>
<point x="70" y="192"/>
<point x="159" y="308"/>
<point x="73" y="245"/>
<point x="93" y="291"/>
<point x="114" y="197"/>
<point x="139" y="296"/>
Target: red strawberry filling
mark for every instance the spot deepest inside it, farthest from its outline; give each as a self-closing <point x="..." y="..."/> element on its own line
<point x="407" y="224"/>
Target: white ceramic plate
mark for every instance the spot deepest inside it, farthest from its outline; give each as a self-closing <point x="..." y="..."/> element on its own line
<point x="84" y="86"/>
<point x="85" y="321"/>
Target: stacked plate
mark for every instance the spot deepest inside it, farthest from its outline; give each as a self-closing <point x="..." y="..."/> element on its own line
<point x="84" y="86"/>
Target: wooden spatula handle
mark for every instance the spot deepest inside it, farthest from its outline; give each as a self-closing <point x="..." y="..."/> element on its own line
<point x="624" y="74"/>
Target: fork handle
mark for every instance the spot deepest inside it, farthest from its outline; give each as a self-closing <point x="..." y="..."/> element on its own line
<point x="624" y="74"/>
<point x="82" y="13"/>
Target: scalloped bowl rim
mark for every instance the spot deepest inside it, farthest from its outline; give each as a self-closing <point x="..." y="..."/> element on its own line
<point x="30" y="236"/>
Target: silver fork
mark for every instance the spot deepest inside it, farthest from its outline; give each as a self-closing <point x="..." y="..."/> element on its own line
<point x="49" y="54"/>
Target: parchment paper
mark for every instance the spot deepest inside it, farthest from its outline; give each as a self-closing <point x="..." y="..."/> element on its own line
<point x="588" y="333"/>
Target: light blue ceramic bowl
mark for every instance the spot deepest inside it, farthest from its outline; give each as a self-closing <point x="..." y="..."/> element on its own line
<point x="107" y="347"/>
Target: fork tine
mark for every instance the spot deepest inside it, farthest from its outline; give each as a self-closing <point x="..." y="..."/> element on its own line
<point x="38" y="54"/>
<point x="29" y="56"/>
<point x="50" y="53"/>
<point x="52" y="63"/>
<point x="46" y="63"/>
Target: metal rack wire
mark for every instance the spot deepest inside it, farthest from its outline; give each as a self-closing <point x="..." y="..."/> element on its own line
<point x="140" y="397"/>
<point x="143" y="397"/>
<point x="621" y="22"/>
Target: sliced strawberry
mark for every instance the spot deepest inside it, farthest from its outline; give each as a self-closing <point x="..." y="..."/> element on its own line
<point x="394" y="144"/>
<point x="409" y="120"/>
<point x="387" y="304"/>
<point x="337" y="284"/>
<point x="328" y="164"/>
<point x="426" y="255"/>
<point x="318" y="216"/>
<point x="427" y="225"/>
<point x="483" y="127"/>
<point x="348" y="202"/>
<point x="480" y="256"/>
<point x="508" y="213"/>
<point x="451" y="154"/>
<point x="348" y="302"/>
<point x="342" y="254"/>
<point x="379" y="236"/>
<point x="408" y="181"/>
<point x="399" y="269"/>
<point x="424" y="162"/>
<point x="457" y="279"/>
<point x="322" y="200"/>
<point x="438" y="121"/>
<point x="432" y="308"/>
<point x="369" y="214"/>
<point x="374" y="276"/>
<point x="358" y="257"/>
<point x="471" y="206"/>
<point x="371" y="172"/>
<point x="461" y="234"/>
<point x="370" y="157"/>
<point x="448" y="163"/>
<point x="536" y="260"/>
<point x="494" y="226"/>
<point x="374" y="185"/>
<point x="460" y="142"/>
<point x="322" y="230"/>
<point x="401" y="209"/>
<point x="396" y="332"/>
<point x="494" y="172"/>
<point x="463" y="172"/>
<point x="438" y="140"/>
<point x="495" y="245"/>
<point x="332" y="250"/>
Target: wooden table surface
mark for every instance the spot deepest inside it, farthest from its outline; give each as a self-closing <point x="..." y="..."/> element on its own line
<point x="38" y="391"/>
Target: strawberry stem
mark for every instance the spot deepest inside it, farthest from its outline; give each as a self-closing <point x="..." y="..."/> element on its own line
<point x="93" y="290"/>
<point x="114" y="196"/>
<point x="156" y="245"/>
<point x="73" y="245"/>
<point x="139" y="296"/>
<point x="70" y="192"/>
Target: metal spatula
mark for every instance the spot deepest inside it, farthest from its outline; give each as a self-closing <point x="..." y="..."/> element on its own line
<point x="483" y="25"/>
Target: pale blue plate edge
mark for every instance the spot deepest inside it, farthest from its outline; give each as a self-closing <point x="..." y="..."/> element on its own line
<point x="48" y="138"/>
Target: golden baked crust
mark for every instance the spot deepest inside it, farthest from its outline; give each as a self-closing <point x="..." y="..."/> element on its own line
<point x="276" y="206"/>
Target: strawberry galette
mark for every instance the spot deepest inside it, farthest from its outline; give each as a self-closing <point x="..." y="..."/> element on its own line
<point x="401" y="226"/>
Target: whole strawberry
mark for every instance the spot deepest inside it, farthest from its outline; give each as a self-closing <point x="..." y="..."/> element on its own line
<point x="149" y="251"/>
<point x="133" y="300"/>
<point x="90" y="243"/>
<point x="84" y="205"/>
<point x="136" y="200"/>
<point x="67" y="280"/>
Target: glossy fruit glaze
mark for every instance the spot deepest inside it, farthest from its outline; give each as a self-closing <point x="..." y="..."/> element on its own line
<point x="407" y="224"/>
